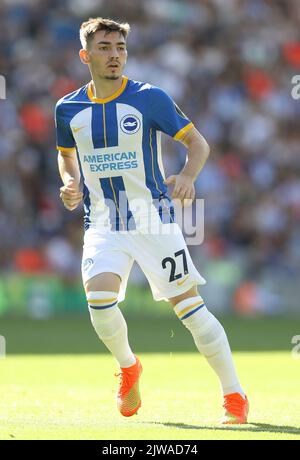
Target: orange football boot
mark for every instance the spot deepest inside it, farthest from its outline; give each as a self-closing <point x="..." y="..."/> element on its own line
<point x="236" y="409"/>
<point x="128" y="397"/>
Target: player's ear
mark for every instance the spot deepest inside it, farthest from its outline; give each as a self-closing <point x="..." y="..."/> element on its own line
<point x="84" y="56"/>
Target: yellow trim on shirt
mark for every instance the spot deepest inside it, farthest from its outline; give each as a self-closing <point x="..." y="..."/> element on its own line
<point x="106" y="99"/>
<point x="65" y="149"/>
<point x="104" y="125"/>
<point x="182" y="131"/>
<point x="152" y="161"/>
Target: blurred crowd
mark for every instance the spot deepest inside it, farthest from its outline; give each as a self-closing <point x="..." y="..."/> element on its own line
<point x="228" y="65"/>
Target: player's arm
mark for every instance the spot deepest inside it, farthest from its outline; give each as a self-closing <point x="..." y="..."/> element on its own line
<point x="197" y="154"/>
<point x="70" y="174"/>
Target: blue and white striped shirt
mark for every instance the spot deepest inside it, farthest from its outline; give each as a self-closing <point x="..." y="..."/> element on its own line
<point x="118" y="145"/>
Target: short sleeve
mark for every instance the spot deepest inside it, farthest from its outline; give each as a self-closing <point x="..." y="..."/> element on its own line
<point x="64" y="137"/>
<point x="166" y="116"/>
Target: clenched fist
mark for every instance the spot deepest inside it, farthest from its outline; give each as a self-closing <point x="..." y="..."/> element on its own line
<point x="71" y="195"/>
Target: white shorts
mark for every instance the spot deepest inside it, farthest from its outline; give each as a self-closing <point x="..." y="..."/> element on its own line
<point x="164" y="259"/>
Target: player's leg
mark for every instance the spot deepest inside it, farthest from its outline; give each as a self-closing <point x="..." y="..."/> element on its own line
<point x="168" y="266"/>
<point x="102" y="295"/>
<point x="106" y="267"/>
<point x="209" y="336"/>
<point x="211" y="340"/>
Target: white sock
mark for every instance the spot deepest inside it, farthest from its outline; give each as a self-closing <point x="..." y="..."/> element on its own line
<point x="211" y="340"/>
<point x="110" y="325"/>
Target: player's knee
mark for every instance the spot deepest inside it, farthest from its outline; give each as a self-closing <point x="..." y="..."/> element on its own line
<point x="193" y="292"/>
<point x="199" y="320"/>
<point x="103" y="308"/>
<point x="102" y="304"/>
<point x="190" y="308"/>
<point x="103" y="282"/>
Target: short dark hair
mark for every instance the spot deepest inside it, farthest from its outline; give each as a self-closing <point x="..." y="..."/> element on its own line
<point x="93" y="25"/>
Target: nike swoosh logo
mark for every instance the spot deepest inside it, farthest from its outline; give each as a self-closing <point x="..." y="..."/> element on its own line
<point x="179" y="283"/>
<point x="77" y="129"/>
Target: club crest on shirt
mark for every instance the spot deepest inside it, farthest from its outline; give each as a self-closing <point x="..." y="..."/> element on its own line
<point x="130" y="124"/>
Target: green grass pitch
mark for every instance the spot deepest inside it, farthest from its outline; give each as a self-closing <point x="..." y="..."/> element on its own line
<point x="57" y="382"/>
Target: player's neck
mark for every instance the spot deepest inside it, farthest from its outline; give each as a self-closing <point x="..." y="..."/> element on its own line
<point x="103" y="88"/>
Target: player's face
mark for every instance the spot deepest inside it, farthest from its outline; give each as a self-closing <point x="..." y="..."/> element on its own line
<point x="107" y="55"/>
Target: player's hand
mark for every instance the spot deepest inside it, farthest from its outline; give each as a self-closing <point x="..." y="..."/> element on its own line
<point x="184" y="189"/>
<point x="71" y="195"/>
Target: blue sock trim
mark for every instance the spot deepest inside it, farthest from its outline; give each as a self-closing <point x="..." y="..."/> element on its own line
<point x="193" y="311"/>
<point x="103" y="308"/>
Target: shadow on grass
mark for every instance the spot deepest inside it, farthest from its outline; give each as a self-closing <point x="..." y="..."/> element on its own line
<point x="252" y="427"/>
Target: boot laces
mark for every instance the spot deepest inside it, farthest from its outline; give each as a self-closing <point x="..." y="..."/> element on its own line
<point x="233" y="405"/>
<point x="125" y="381"/>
